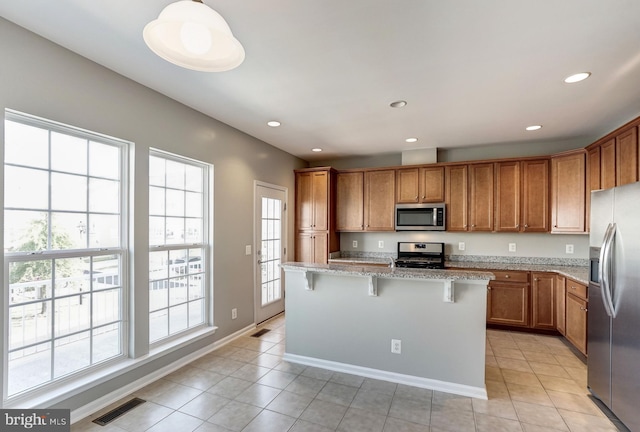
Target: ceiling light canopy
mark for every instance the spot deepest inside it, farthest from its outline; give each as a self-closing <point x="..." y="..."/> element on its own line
<point x="273" y="123"/>
<point x="577" y="77"/>
<point x="316" y="149"/>
<point x="533" y="128"/>
<point x="411" y="140"/>
<point x="190" y="34"/>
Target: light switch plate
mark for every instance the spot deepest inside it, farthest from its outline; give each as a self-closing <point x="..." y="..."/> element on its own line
<point x="355" y="244"/>
<point x="512" y="247"/>
<point x="381" y="244"/>
<point x="461" y="246"/>
<point x="247" y="250"/>
<point x="569" y="248"/>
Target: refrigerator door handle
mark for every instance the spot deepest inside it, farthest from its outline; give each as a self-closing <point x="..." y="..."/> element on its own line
<point x="605" y="270"/>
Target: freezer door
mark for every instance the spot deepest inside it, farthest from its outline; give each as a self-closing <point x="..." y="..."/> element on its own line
<point x="601" y="215"/>
<point x="625" y="351"/>
<point x="599" y="346"/>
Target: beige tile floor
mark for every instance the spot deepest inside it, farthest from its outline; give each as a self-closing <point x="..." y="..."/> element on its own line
<point x="535" y="384"/>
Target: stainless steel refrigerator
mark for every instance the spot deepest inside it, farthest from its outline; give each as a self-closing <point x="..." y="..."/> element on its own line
<point x="614" y="302"/>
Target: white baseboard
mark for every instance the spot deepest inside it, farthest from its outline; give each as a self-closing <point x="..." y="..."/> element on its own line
<point x="110" y="398"/>
<point x="415" y="381"/>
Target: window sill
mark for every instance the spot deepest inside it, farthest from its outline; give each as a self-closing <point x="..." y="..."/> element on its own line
<point x="64" y="389"/>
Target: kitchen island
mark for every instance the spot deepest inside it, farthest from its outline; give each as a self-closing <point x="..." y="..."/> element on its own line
<point x="349" y="318"/>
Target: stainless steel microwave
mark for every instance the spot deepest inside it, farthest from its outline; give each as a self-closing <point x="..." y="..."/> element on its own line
<point x="420" y="217"/>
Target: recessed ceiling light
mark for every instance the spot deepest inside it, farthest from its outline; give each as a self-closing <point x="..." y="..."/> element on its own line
<point x="411" y="140"/>
<point x="316" y="149"/>
<point x="577" y="77"/>
<point x="273" y="123"/>
<point x="398" y="104"/>
<point x="533" y="128"/>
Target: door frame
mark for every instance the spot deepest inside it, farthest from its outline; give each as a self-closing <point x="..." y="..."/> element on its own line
<point x="257" y="242"/>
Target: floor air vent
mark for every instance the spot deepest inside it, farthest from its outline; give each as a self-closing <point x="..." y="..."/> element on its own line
<point x="260" y="332"/>
<point x="117" y="412"/>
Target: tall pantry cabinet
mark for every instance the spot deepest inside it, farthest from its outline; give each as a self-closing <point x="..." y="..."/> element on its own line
<point x="316" y="237"/>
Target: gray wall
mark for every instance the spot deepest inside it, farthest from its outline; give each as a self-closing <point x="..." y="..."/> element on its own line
<point x="494" y="244"/>
<point x="43" y="79"/>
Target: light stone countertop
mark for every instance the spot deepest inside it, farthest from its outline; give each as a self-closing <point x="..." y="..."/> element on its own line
<point x="577" y="273"/>
<point x="388" y="272"/>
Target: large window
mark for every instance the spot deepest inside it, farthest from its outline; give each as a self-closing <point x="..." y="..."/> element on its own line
<point x="64" y="251"/>
<point x="178" y="237"/>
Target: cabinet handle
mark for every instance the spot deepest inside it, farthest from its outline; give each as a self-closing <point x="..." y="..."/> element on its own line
<point x="416" y="198"/>
<point x="526" y="226"/>
<point x="473" y="226"/>
<point x="489" y="288"/>
<point x="518" y="226"/>
<point x="573" y="287"/>
<point x="507" y="276"/>
<point x="423" y="196"/>
<point x="583" y="308"/>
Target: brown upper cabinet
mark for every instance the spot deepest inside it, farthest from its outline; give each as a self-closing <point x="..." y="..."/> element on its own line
<point x="627" y="157"/>
<point x="608" y="164"/>
<point x="366" y="200"/>
<point x="312" y="200"/>
<point x="420" y="185"/>
<point x="522" y="196"/>
<point x="568" y="195"/>
<point x="379" y="200"/>
<point x="481" y="197"/>
<point x="456" y="178"/>
<point x="350" y="201"/>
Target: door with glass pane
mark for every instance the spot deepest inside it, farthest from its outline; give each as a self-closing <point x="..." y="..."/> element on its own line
<point x="270" y="250"/>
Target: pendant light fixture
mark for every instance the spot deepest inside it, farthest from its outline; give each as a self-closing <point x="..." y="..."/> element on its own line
<point x="190" y="34"/>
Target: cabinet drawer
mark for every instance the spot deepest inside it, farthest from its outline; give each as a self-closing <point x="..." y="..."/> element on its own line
<point x="510" y="276"/>
<point x="577" y="289"/>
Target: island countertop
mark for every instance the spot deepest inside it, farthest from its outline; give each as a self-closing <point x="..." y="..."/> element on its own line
<point x="390" y="272"/>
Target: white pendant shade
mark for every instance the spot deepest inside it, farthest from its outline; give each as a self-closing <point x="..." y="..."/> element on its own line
<point x="192" y="35"/>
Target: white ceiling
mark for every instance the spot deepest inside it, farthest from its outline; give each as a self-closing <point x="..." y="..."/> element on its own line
<point x="473" y="72"/>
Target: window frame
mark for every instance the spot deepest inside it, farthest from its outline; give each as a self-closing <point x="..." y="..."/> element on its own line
<point x="122" y="251"/>
<point x="206" y="245"/>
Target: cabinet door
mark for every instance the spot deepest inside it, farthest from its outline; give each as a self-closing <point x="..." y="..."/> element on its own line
<point x="456" y="197"/>
<point x="508" y="196"/>
<point x="481" y="197"/>
<point x="627" y="157"/>
<point x="320" y="208"/>
<point x="535" y="196"/>
<point x="379" y="200"/>
<point x="407" y="186"/>
<point x="568" y="193"/>
<point x="576" y="325"/>
<point x="560" y="303"/>
<point x="431" y="184"/>
<point x="543" y="299"/>
<point x="593" y="178"/>
<point x="304" y="201"/>
<point x="508" y="304"/>
<point x="320" y="247"/>
<point x="304" y="248"/>
<point x="608" y="164"/>
<point x="350" y="201"/>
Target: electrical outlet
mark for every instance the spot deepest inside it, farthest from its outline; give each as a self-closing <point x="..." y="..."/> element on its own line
<point x="512" y="247"/>
<point x="569" y="249"/>
<point x="461" y="246"/>
<point x="355" y="244"/>
<point x="381" y="244"/>
<point x="396" y="346"/>
<point x="247" y="250"/>
<point x="234" y="313"/>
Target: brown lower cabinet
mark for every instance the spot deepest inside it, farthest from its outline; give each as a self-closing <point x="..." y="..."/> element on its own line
<point x="508" y="298"/>
<point x="312" y="247"/>
<point x="539" y="301"/>
<point x="576" y="315"/>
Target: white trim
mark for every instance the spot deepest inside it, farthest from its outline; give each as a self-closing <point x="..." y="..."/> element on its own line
<point x="415" y="381"/>
<point x="108" y="399"/>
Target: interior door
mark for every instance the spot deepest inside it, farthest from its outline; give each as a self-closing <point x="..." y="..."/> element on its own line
<point x="270" y="249"/>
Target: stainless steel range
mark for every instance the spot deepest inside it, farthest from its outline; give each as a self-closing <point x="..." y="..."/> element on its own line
<point x="420" y="255"/>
